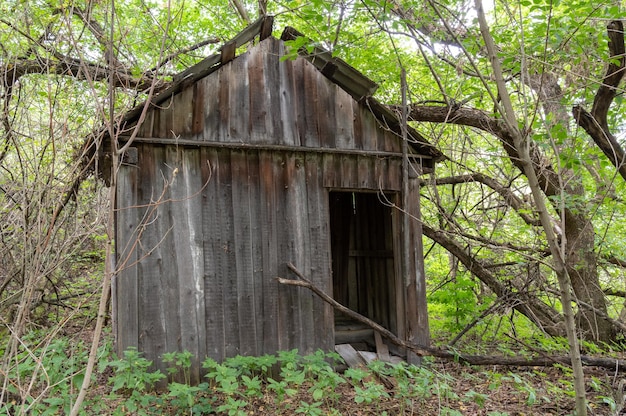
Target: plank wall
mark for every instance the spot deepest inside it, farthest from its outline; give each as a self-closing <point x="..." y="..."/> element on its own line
<point x="260" y="99"/>
<point x="203" y="229"/>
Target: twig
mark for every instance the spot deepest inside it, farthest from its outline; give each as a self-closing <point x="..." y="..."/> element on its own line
<point x="422" y="350"/>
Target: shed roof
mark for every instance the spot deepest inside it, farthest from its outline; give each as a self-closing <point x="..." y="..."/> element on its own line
<point x="336" y="70"/>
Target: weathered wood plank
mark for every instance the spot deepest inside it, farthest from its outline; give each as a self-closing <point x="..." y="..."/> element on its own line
<point x="260" y="110"/>
<point x="182" y="109"/>
<point x="349" y="173"/>
<point x="239" y="103"/>
<point x="368" y="128"/>
<point x="197" y="120"/>
<point x="125" y="311"/>
<point x="329" y="170"/>
<point x="212" y="116"/>
<point x="325" y="106"/>
<point x="274" y="81"/>
<point x="344" y="120"/>
<point x="256" y="242"/>
<point x="213" y="277"/>
<point x="269" y="230"/>
<point x="289" y="100"/>
<point x="169" y="283"/>
<point x="152" y="336"/>
<point x="417" y="312"/>
<point x="166" y="120"/>
<point x="226" y="265"/>
<point x="186" y="212"/>
<point x="365" y="173"/>
<point x="320" y="255"/>
<point x="350" y="356"/>
<point x="380" y="229"/>
<point x="382" y="351"/>
<point x="307" y="92"/>
<point x="222" y="126"/>
<point x="298" y="210"/>
<point x="289" y="307"/>
<point x="146" y="129"/>
<point x="396" y="218"/>
<point x="243" y="210"/>
<point x="390" y="271"/>
<point x="361" y="141"/>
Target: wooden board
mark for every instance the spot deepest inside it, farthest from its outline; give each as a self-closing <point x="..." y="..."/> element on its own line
<point x="350" y="356"/>
<point x="125" y="287"/>
<point x="382" y="352"/>
<point x="213" y="278"/>
<point x="244" y="219"/>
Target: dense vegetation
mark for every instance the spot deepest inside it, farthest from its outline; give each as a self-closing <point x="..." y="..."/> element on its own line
<point x="522" y="220"/>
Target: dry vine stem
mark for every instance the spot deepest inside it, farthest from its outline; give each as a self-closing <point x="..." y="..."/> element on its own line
<point x="421" y="350"/>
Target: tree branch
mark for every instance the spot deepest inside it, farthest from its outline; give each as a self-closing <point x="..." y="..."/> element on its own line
<point x="542" y="315"/>
<point x="547" y="177"/>
<point x="10" y="73"/>
<point x="616" y="261"/>
<point x="421" y="350"/>
<point x="509" y="197"/>
<point x="596" y="123"/>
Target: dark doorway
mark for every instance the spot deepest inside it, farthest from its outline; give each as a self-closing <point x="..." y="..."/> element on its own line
<point x="362" y="244"/>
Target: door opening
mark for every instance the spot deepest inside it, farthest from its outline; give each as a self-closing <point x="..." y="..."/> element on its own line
<point x="362" y="245"/>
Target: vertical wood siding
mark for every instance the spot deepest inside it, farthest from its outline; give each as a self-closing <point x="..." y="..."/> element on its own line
<point x="259" y="99"/>
<point x="202" y="231"/>
<point x="217" y="226"/>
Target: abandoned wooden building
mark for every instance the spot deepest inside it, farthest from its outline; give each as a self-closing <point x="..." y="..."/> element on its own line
<point x="251" y="162"/>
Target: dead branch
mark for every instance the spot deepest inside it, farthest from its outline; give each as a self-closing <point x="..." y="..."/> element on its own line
<point x="609" y="291"/>
<point x="616" y="261"/>
<point x="617" y="324"/>
<point x="422" y="350"/>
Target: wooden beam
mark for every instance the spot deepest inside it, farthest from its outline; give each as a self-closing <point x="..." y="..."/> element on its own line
<point x="420" y="159"/>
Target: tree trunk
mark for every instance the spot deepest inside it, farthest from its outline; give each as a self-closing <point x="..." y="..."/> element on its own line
<point x="579" y="234"/>
<point x="578" y="230"/>
<point x="582" y="268"/>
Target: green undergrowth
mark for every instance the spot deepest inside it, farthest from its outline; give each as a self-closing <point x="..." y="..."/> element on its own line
<point x="44" y="380"/>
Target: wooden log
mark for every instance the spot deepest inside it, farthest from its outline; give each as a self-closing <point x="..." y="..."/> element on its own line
<point x="546" y="360"/>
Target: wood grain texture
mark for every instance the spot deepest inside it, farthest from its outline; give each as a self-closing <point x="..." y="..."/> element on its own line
<point x="215" y="222"/>
<point x="212" y="248"/>
<point x="124" y="291"/>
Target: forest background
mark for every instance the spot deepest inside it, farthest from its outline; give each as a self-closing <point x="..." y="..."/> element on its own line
<point x="523" y="220"/>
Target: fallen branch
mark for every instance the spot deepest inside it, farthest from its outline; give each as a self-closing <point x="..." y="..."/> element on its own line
<point x="422" y="350"/>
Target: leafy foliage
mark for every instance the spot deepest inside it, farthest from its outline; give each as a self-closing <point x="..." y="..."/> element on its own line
<point x="70" y="68"/>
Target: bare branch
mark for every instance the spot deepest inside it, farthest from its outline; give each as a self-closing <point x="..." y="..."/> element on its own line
<point x="422" y="350"/>
<point x="242" y="11"/>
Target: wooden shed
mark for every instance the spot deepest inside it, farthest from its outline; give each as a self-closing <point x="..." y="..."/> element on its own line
<point x="251" y="162"/>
